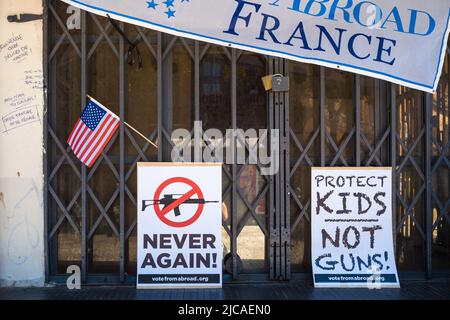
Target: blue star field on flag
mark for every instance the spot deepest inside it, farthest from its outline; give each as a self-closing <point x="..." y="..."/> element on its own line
<point x="168" y="6"/>
<point x="92" y="115"/>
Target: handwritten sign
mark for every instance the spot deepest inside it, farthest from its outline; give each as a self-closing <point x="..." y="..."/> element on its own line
<point x="34" y="78"/>
<point x="352" y="242"/>
<point x="18" y="100"/>
<point x="15" y="49"/>
<point x="20" y="117"/>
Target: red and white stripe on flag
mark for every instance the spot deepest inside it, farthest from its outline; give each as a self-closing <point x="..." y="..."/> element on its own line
<point x="92" y="132"/>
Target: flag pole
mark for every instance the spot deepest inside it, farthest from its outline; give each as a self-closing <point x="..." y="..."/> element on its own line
<point x="144" y="137"/>
<point x="132" y="128"/>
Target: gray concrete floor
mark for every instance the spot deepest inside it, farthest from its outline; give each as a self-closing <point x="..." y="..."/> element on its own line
<point x="294" y="290"/>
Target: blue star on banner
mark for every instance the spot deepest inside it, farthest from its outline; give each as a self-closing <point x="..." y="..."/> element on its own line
<point x="169" y="3"/>
<point x="152" y="4"/>
<point x="169" y="6"/>
<point x="170" y="13"/>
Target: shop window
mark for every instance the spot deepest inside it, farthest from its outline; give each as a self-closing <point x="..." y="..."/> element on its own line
<point x="441" y="174"/>
<point x="106" y="81"/>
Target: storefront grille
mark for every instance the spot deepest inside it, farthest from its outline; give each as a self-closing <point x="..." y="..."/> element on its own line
<point x="329" y="118"/>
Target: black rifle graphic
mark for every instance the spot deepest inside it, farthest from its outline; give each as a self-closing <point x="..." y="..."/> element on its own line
<point x="168" y="199"/>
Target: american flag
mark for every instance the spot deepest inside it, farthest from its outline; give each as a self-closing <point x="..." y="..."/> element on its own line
<point x="94" y="129"/>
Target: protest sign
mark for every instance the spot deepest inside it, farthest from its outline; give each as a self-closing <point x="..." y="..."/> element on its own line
<point x="351" y="237"/>
<point x="179" y="225"/>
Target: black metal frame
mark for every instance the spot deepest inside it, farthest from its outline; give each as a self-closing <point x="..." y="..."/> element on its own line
<point x="162" y="53"/>
<point x="396" y="145"/>
<point x="393" y="147"/>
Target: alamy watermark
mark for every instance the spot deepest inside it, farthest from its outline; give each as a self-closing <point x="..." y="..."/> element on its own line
<point x="258" y="147"/>
<point x="74" y="280"/>
<point x="374" y="281"/>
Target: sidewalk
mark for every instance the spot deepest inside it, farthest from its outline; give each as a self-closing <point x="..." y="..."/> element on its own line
<point x="294" y="290"/>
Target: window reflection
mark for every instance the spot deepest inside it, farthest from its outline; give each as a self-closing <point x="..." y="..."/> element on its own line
<point x="304" y="120"/>
<point x="339" y="114"/>
<point x="251" y="113"/>
<point x="215" y="105"/>
<point x="441" y="176"/>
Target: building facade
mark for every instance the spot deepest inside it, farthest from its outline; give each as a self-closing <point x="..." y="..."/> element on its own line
<point x="87" y="217"/>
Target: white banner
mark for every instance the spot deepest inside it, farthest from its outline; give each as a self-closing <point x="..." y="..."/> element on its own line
<point x="351" y="234"/>
<point x="399" y="41"/>
<point x="179" y="225"/>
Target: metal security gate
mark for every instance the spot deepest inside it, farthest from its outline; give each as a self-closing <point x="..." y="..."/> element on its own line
<point x="358" y="121"/>
<point x="172" y="82"/>
<point x="348" y="125"/>
<point x="328" y="118"/>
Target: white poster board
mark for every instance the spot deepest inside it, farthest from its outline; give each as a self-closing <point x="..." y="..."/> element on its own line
<point x="179" y="225"/>
<point x="352" y="234"/>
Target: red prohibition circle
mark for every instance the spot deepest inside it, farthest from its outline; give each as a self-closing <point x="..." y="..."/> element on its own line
<point x="161" y="214"/>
